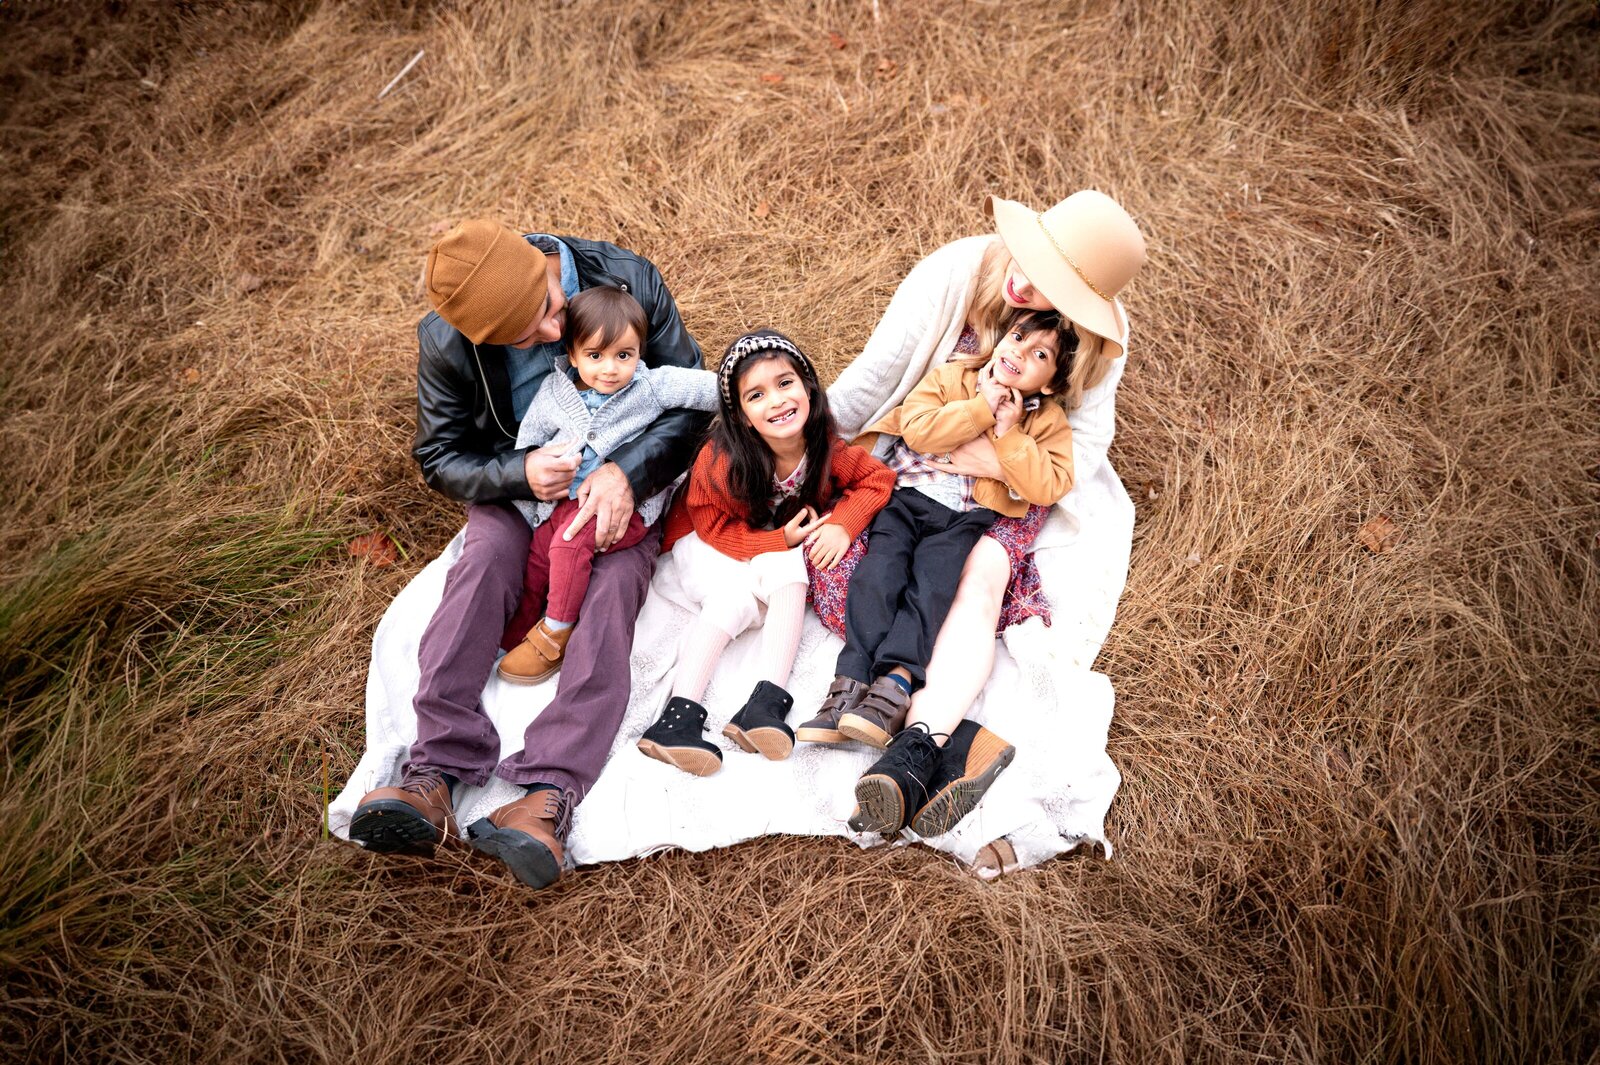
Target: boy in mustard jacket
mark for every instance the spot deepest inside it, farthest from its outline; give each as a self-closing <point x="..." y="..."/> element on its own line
<point x="904" y="585"/>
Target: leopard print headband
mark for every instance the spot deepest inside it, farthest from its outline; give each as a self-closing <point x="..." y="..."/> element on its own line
<point x="749" y="345"/>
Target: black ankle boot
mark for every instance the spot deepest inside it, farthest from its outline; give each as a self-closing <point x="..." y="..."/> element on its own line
<point x="897" y="784"/>
<point x="759" y="728"/>
<point x="969" y="762"/>
<point x="675" y="738"/>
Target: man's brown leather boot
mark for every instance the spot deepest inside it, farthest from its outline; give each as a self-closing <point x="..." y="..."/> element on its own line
<point x="408" y="819"/>
<point x="529" y="835"/>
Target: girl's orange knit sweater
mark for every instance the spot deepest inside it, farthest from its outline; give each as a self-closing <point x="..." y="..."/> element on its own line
<point x="704" y="506"/>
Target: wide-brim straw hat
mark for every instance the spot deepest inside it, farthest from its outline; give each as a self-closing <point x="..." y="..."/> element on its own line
<point x="1078" y="254"/>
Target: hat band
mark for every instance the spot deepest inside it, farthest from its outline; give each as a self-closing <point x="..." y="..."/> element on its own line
<point x="1075" y="267"/>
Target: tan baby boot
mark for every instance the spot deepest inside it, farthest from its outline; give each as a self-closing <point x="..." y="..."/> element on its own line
<point x="537" y="656"/>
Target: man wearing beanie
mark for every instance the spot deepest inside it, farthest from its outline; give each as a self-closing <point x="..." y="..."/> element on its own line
<point x="499" y="302"/>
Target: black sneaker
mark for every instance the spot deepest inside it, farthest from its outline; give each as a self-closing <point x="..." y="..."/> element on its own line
<point x="897" y="783"/>
<point x="675" y="738"/>
<point x="759" y="727"/>
<point x="970" y="762"/>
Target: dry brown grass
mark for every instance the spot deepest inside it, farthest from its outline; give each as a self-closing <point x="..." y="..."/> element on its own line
<point x="1359" y="819"/>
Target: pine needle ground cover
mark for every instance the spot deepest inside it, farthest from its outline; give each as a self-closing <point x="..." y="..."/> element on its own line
<point x="1356" y="660"/>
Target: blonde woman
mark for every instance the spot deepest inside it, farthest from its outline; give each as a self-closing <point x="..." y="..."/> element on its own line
<point x="1073" y="259"/>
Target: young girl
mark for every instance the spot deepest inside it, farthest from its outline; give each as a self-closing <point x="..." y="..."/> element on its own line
<point x="772" y="486"/>
<point x="603" y="397"/>
<point x="903" y="586"/>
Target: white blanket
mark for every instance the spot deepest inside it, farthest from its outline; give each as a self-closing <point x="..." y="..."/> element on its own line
<point x="1042" y="697"/>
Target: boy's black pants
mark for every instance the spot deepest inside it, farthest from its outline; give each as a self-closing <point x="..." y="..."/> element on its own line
<point x="903" y="586"/>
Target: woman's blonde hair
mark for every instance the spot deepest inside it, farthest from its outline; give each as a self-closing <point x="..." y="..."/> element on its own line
<point x="990" y="311"/>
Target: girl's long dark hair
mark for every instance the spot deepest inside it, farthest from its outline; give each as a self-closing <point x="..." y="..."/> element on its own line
<point x="750" y="461"/>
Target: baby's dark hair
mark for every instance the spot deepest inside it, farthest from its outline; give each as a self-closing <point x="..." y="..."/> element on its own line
<point x="604" y="311"/>
<point x="750" y="463"/>
<point x="1027" y="321"/>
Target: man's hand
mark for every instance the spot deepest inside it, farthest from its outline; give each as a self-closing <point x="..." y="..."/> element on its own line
<point x="607" y="497"/>
<point x="802" y="525"/>
<point x="549" y="469"/>
<point x="828" y="545"/>
<point x="975" y="458"/>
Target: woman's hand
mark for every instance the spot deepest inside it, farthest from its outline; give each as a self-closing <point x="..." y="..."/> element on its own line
<point x="828" y="545"/>
<point x="802" y="525"/>
<point x="975" y="458"/>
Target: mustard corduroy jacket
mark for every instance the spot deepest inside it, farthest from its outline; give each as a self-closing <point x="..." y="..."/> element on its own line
<point x="945" y="411"/>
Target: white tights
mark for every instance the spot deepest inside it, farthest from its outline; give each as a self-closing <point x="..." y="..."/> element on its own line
<point x="704" y="643"/>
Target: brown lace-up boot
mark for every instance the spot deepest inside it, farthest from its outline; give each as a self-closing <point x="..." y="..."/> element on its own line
<point x="528" y="834"/>
<point x="408" y="819"/>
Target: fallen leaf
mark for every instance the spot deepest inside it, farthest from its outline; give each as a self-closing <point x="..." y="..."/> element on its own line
<point x="772" y="79"/>
<point x="887" y="68"/>
<point x="1150" y="491"/>
<point x="439" y="228"/>
<point x="1193" y="559"/>
<point x="375" y="547"/>
<point x="249" y="282"/>
<point x="191" y="376"/>
<point x="1379" y="535"/>
<point x="836" y="39"/>
<point x="763" y="209"/>
<point x="1335" y="762"/>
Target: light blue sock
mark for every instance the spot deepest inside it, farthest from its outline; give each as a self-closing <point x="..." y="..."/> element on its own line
<point x="556" y="626"/>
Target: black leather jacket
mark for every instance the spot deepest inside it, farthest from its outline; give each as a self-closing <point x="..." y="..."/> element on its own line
<point x="466" y="431"/>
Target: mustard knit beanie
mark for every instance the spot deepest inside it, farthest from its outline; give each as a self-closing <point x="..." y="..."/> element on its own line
<point x="485" y="280"/>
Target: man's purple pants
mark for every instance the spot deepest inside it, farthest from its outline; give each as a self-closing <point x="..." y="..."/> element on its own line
<point x="566" y="745"/>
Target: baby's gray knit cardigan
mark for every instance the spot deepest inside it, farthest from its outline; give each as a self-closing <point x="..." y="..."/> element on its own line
<point x="558" y="413"/>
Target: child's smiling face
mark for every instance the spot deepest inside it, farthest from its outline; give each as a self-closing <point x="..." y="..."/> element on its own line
<point x="1025" y="360"/>
<point x="606" y="368"/>
<point x="773" y="398"/>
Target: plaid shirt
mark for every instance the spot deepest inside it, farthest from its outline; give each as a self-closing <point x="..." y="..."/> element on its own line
<point x="954" y="490"/>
